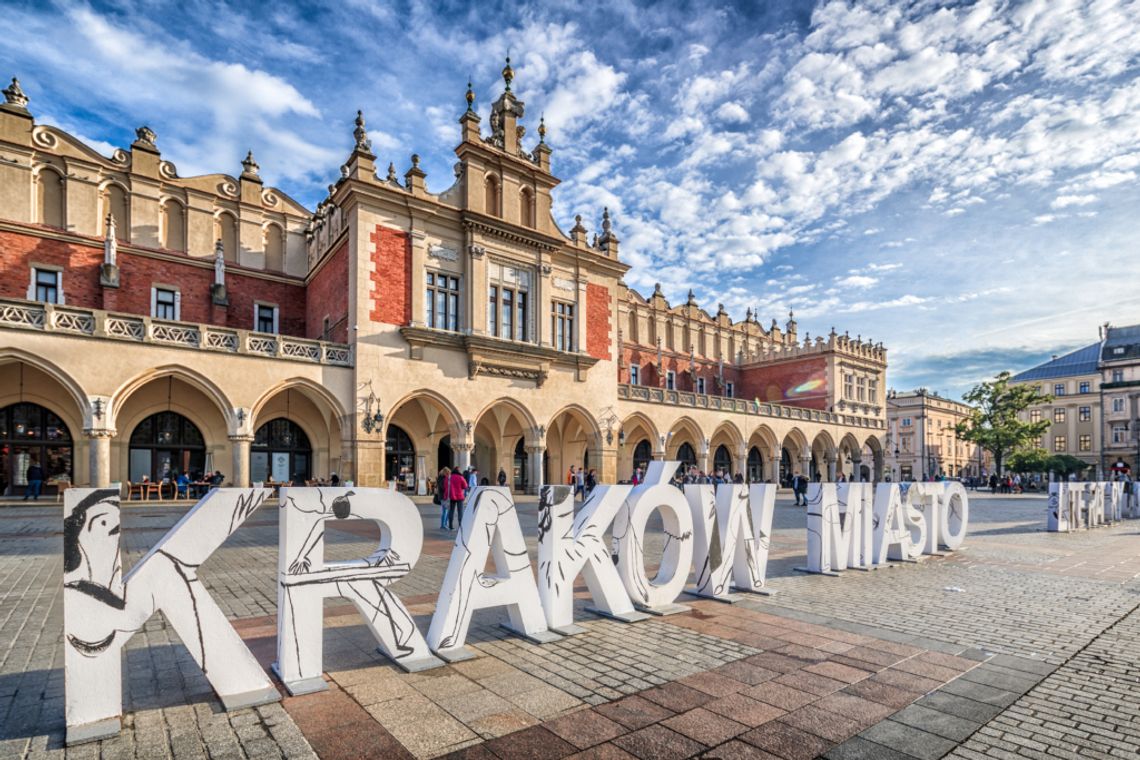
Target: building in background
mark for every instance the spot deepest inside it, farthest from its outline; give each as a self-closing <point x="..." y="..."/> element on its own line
<point x="1095" y="411"/>
<point x="153" y="323"/>
<point x="921" y="440"/>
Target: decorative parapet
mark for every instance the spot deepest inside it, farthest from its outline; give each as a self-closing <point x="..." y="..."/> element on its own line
<point x="95" y="323"/>
<point x="741" y="406"/>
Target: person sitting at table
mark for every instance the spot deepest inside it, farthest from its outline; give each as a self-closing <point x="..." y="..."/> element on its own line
<point x="334" y="480"/>
<point x="183" y="485"/>
<point x="218" y="478"/>
<point x="298" y="481"/>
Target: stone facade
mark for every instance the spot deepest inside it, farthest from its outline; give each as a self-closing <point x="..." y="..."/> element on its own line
<point x="393" y="330"/>
<point x="921" y="441"/>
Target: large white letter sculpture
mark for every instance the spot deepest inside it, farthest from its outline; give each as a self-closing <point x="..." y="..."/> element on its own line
<point x="733" y="522"/>
<point x="102" y="609"/>
<point x="570" y="545"/>
<point x="490" y="525"/>
<point x="655" y="493"/>
<point x="896" y="526"/>
<point x="305" y="579"/>
<point x="1073" y="506"/>
<point x="946" y="509"/>
<point x="840" y="527"/>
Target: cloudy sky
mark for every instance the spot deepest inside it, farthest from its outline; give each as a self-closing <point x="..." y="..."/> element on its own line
<point x="958" y="180"/>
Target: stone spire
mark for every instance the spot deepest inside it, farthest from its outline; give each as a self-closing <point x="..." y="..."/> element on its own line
<point x="249" y="168"/>
<point x="608" y="242"/>
<point x="14" y="96"/>
<point x="508" y="73"/>
<point x="363" y="144"/>
<point x="505" y="115"/>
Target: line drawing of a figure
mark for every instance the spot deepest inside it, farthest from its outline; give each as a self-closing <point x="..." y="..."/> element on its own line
<point x="364" y="581"/>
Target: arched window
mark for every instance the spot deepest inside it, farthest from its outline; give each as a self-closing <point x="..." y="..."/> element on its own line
<point x="164" y="445"/>
<point x="115" y="204"/>
<point x="722" y="460"/>
<point x="49" y="198"/>
<point x="32" y="435"/>
<point x="400" y="458"/>
<point x="492" y="196"/>
<point x="225" y="229"/>
<point x="642" y="455"/>
<point x="786" y="471"/>
<point x="274" y="248"/>
<point x="519" y="478"/>
<point x="280" y="450"/>
<point x="687" y="456"/>
<point x="755" y="466"/>
<point x="173" y="226"/>
<point x="526" y="207"/>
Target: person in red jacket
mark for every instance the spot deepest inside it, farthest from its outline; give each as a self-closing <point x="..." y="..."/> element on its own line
<point x="456" y="493"/>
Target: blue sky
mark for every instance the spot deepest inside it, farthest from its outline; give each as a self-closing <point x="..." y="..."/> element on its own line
<point x="957" y="180"/>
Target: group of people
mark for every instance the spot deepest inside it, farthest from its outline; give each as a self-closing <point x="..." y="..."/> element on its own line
<point x="583" y="482"/>
<point x="451" y="490"/>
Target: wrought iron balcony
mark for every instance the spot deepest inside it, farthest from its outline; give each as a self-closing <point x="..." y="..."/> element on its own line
<point x="96" y="323"/>
<point x="742" y="406"/>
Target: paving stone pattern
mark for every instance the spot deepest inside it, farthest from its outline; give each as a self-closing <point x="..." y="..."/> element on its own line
<point x="1020" y="645"/>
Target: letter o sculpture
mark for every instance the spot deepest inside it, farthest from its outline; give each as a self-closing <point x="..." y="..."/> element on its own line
<point x="955" y="515"/>
<point x="677" y="557"/>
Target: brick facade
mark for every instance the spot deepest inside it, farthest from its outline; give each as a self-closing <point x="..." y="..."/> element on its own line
<point x="598" y="321"/>
<point x="391" y="290"/>
<point x="80" y="263"/>
<point x="646" y="359"/>
<point x="327" y="296"/>
<point x="795" y="383"/>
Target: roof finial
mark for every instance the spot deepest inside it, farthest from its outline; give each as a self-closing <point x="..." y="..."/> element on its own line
<point x="14" y="94"/>
<point x="362" y="141"/>
<point x="470" y="96"/>
<point x="606" y="219"/>
<point x="508" y="72"/>
<point x="542" y="129"/>
<point x="392" y="173"/>
<point x="249" y="166"/>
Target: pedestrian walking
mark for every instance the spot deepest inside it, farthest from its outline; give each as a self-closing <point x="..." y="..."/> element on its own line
<point x="441" y="496"/>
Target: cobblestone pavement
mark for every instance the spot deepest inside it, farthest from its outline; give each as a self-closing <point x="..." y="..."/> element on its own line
<point x="1022" y="643"/>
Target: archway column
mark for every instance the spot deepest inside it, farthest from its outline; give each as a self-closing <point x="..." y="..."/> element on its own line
<point x="659" y="449"/>
<point x="239" y="446"/>
<point x="830" y="458"/>
<point x="703" y="456"/>
<point x="805" y="466"/>
<point x="740" y="461"/>
<point x="771" y="471"/>
<point x="421" y="472"/>
<point x="99" y="456"/>
<point x="534" y="455"/>
<point x="462" y="452"/>
<point x="856" y="469"/>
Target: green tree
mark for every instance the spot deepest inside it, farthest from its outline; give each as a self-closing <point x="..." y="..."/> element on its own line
<point x="1029" y="460"/>
<point x="993" y="423"/>
<point x="1063" y="465"/>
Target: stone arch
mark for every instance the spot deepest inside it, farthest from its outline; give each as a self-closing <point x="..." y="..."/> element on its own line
<point x="526" y="207"/>
<point x="437" y="431"/>
<point x="684" y="430"/>
<point x="226" y="230"/>
<point x="874" y="445"/>
<point x="573" y="438"/>
<point x="728" y="435"/>
<point x="794" y="452"/>
<point x="81" y="411"/>
<point x="823" y="453"/>
<point x="497" y="431"/>
<point x="115" y="200"/>
<point x="492" y="195"/>
<point x="173" y="224"/>
<point x="312" y="408"/>
<point x="848" y="452"/>
<point x="274" y="236"/>
<point x="50" y="197"/>
<point x="191" y="377"/>
<point x="635" y="428"/>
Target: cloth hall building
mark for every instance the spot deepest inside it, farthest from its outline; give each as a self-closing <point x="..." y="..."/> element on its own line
<point x="152" y="323"/>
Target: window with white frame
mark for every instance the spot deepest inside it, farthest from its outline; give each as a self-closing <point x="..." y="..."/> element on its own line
<point x="1059" y="389"/>
<point x="562" y="325"/>
<point x="671" y="380"/>
<point x="907" y="422"/>
<point x="441" y="301"/>
<point x="1083" y="387"/>
<point x="861" y="388"/>
<point x="46" y="285"/>
<point x="1118" y="405"/>
<point x="700" y="385"/>
<point x="1084" y="414"/>
<point x="1034" y="415"/>
<point x="265" y="318"/>
<point x="848" y="385"/>
<point x="1119" y="434"/>
<point x="165" y="303"/>
<point x="873" y="391"/>
<point x="1084" y="443"/>
<point x="1059" y="414"/>
<point x="1058" y="443"/>
<point x="1118" y="376"/>
<point x="729" y="390"/>
<point x="634" y="374"/>
<point x="508" y="293"/>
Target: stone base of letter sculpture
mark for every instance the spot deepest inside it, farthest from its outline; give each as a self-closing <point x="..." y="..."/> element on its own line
<point x="490" y="527"/>
<point x="305" y="580"/>
<point x="102" y="609"/>
<point x="732" y="528"/>
<point x="655" y="596"/>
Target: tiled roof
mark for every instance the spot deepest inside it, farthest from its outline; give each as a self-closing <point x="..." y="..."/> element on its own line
<point x="1083" y="361"/>
<point x="1127" y="338"/>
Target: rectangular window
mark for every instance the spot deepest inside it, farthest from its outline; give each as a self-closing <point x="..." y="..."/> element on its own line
<point x="441" y="301"/>
<point x="671" y="380"/>
<point x="1119" y="434"/>
<point x="562" y="325"/>
<point x="1085" y="442"/>
<point x="1084" y="386"/>
<point x="1059" y="389"/>
<point x="728" y="390"/>
<point x="1059" y="415"/>
<point x="265" y="318"/>
<point x="46" y="284"/>
<point x="873" y="391"/>
<point x="1084" y="414"/>
<point x="1034" y="415"/>
<point x="906" y="422"/>
<point x="861" y="388"/>
<point x="848" y="386"/>
<point x="164" y="303"/>
<point x="1058" y="443"/>
<point x="700" y="385"/>
<point x="1118" y="376"/>
<point x="508" y="314"/>
<point x="1118" y="405"/>
<point x="634" y="375"/>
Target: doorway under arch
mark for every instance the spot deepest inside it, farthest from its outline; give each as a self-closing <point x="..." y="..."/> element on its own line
<point x="755" y="466"/>
<point x="400" y="458"/>
<point x="722" y="460"/>
<point x="30" y="433"/>
<point x="165" y="444"/>
<point x="280" y="451"/>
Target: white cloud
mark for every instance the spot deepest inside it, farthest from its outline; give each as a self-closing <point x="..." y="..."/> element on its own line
<point x="855" y="281"/>
<point x="1044" y="218"/>
<point x="732" y="112"/>
<point x="1065" y="201"/>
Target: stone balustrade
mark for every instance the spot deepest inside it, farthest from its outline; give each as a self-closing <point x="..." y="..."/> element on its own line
<point x="96" y="323"/>
<point x="743" y="406"/>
